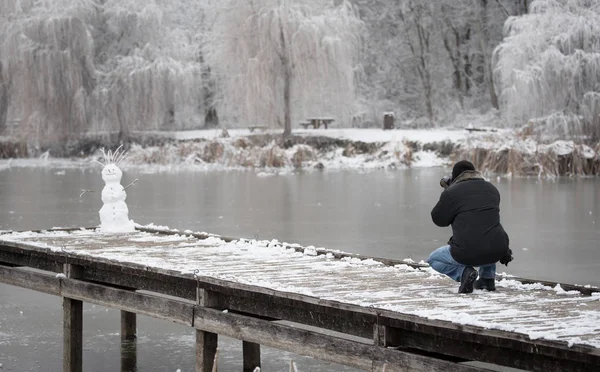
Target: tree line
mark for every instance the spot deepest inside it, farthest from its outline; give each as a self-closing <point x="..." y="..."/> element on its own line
<point x="97" y="66"/>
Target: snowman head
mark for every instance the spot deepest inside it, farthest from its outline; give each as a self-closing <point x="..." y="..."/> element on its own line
<point x="110" y="171"/>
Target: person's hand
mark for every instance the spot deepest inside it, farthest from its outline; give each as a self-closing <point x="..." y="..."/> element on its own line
<point x="507" y="257"/>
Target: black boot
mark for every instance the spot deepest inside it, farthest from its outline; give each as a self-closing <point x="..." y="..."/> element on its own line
<point x="489" y="284"/>
<point x="467" y="279"/>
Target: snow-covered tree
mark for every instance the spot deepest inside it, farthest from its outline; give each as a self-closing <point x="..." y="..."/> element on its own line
<point x="547" y="69"/>
<point x="68" y="67"/>
<point x="428" y="58"/>
<point x="282" y="60"/>
<point x="417" y="18"/>
<point x="401" y="64"/>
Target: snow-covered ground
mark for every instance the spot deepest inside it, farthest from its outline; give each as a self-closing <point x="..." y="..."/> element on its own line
<point x="497" y="151"/>
<point x="368" y="135"/>
<point x="389" y="149"/>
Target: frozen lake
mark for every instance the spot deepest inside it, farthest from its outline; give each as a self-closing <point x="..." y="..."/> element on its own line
<point x="553" y="226"/>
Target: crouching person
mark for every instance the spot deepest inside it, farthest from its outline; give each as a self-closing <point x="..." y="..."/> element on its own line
<point x="472" y="206"/>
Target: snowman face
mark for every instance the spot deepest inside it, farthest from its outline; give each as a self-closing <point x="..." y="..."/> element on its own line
<point x="111" y="173"/>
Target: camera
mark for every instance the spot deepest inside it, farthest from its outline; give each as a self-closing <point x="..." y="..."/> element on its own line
<point x="445" y="182"/>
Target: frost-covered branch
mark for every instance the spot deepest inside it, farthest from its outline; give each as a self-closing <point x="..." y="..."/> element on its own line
<point x="504" y="9"/>
<point x="262" y="49"/>
<point x="74" y="67"/>
<point x="548" y="68"/>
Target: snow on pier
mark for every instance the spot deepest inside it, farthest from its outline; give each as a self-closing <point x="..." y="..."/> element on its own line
<point x="532" y="309"/>
<point x="566" y="318"/>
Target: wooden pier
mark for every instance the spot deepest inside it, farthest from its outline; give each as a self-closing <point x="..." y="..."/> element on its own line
<point x="370" y="314"/>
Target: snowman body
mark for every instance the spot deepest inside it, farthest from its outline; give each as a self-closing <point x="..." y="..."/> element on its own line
<point x="114" y="214"/>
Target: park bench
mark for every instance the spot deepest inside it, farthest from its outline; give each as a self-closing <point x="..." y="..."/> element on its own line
<point x="472" y="129"/>
<point x="261" y="127"/>
<point x="316" y="122"/>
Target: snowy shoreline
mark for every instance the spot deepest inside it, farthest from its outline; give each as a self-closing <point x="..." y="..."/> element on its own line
<point x="491" y="150"/>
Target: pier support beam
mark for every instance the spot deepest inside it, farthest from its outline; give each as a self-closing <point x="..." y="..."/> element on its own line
<point x="72" y="327"/>
<point x="251" y="353"/>
<point x="128" y="326"/>
<point x="380" y="335"/>
<point x="128" y="342"/>
<point x="206" y="342"/>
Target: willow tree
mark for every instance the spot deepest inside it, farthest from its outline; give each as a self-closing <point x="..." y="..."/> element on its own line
<point x="282" y="60"/>
<point x="547" y="69"/>
<point x="71" y="67"/>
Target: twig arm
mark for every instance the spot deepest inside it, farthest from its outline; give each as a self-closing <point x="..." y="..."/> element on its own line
<point x="131" y="184"/>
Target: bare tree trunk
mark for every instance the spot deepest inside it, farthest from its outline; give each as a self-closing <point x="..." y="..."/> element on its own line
<point x="467" y="73"/>
<point x="3" y="101"/>
<point x="456" y="59"/>
<point x="123" y="124"/>
<point x="493" y="95"/>
<point x="524" y="8"/>
<point x="421" y="54"/>
<point x="423" y="35"/>
<point x="287" y="84"/>
<point x="211" y="119"/>
<point x="484" y="41"/>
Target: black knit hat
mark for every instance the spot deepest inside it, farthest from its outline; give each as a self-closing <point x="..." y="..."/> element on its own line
<point x="460" y="167"/>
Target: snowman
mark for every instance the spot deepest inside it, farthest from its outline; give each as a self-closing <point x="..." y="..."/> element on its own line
<point x="114" y="214"/>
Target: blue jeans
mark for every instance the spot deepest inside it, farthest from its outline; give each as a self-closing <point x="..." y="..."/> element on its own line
<point x="441" y="261"/>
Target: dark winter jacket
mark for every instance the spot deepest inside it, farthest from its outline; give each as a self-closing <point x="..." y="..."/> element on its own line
<point x="472" y="206"/>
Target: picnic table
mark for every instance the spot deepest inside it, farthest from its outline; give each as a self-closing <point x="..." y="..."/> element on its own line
<point x="317" y="122"/>
<point x="473" y="129"/>
<point x="261" y="127"/>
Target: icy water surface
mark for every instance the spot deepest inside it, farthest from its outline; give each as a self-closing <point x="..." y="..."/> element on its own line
<point x="554" y="229"/>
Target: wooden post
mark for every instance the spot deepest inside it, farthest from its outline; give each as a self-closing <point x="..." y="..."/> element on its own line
<point x="380" y="335"/>
<point x="206" y="342"/>
<point x="128" y="326"/>
<point x="72" y="327"/>
<point x="251" y="353"/>
<point x="128" y="342"/>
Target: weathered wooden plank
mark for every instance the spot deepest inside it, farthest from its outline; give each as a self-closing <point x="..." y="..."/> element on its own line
<point x="144" y="280"/>
<point x="448" y="330"/>
<point x="386" y="360"/>
<point x="20" y="257"/>
<point x="323" y="347"/>
<point x="331" y="309"/>
<point x="339" y="321"/>
<point x="497" y="355"/>
<point x="279" y="315"/>
<point x="100" y="297"/>
<point x="258" y="303"/>
<point x="524" y="355"/>
<point x="491" y="338"/>
<point x="159" y="307"/>
<point x="386" y="261"/>
<point x="31" y="280"/>
<point x="320" y="251"/>
<point x="101" y="270"/>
